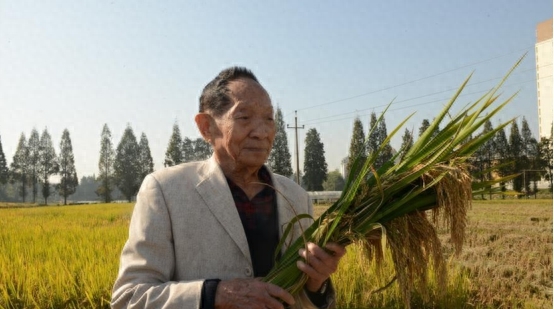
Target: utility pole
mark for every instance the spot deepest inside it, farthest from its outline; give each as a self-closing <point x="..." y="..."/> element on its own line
<point x="525" y="182"/>
<point x="296" y="127"/>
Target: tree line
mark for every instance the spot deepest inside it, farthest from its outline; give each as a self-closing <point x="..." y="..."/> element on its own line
<point x="125" y="167"/>
<point x="516" y="153"/>
<point x="35" y="161"/>
<point x="122" y="169"/>
<point x="503" y="155"/>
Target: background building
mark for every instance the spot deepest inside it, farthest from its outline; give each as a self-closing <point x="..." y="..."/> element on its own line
<point x="543" y="57"/>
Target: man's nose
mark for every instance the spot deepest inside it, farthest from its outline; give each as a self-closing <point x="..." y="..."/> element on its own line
<point x="261" y="129"/>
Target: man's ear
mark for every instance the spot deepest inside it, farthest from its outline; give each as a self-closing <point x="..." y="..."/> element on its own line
<point x="204" y="122"/>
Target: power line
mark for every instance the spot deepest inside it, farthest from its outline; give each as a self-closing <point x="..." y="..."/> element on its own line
<point x="413" y="81"/>
<point x="419" y="104"/>
<point x="414" y="98"/>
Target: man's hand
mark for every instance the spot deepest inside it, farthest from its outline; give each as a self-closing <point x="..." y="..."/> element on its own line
<point x="320" y="263"/>
<point x="250" y="294"/>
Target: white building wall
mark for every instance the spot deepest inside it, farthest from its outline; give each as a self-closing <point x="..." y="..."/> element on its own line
<point x="543" y="55"/>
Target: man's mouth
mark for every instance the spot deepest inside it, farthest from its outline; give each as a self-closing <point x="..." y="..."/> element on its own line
<point x="256" y="148"/>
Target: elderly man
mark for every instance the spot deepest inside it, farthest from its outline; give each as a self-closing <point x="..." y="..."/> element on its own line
<point x="202" y="233"/>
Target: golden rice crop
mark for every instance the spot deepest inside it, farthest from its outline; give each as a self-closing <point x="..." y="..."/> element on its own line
<point x="392" y="199"/>
<point x="506" y="261"/>
<point x="60" y="257"/>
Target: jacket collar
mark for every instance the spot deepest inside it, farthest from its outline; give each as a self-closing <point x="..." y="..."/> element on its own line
<point x="216" y="193"/>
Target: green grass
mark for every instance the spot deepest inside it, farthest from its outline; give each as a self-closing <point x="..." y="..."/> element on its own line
<point x="67" y="257"/>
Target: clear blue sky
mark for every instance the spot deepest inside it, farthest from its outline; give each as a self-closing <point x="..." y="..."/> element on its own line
<point x="80" y="64"/>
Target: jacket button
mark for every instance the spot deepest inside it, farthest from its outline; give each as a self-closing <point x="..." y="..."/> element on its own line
<point x="248" y="271"/>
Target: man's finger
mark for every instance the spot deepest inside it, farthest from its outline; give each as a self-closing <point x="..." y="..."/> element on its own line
<point x="310" y="271"/>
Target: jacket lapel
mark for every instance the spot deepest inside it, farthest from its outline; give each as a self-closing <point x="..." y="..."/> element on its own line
<point x="217" y="196"/>
<point x="286" y="212"/>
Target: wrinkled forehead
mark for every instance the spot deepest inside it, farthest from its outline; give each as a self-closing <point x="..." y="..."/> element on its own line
<point x="247" y="92"/>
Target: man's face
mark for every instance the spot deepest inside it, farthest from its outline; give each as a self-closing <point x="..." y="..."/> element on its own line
<point x="243" y="135"/>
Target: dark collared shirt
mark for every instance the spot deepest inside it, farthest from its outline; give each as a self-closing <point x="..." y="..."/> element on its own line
<point x="261" y="226"/>
<point x="259" y="219"/>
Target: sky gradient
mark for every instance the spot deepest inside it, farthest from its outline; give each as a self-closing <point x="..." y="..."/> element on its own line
<point x="78" y="65"/>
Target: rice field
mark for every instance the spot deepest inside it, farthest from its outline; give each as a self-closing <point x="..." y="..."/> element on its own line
<point x="506" y="263"/>
<point x="67" y="257"/>
<point x="60" y="257"/>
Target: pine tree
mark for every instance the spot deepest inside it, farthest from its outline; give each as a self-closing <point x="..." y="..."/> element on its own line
<point x="376" y="138"/>
<point x="516" y="151"/>
<point x="20" y="170"/>
<point x="126" y="165"/>
<point x="48" y="164"/>
<point x="174" y="153"/>
<point x="373" y="135"/>
<point x="502" y="156"/>
<point x="279" y="160"/>
<point x="146" y="162"/>
<point x="407" y="142"/>
<point x="187" y="150"/>
<point x="68" y="174"/>
<point x="484" y="156"/>
<point x="105" y="165"/>
<point x="202" y="149"/>
<point x="527" y="139"/>
<point x="545" y="157"/>
<point x="386" y="154"/>
<point x="530" y="154"/>
<point x="357" y="145"/>
<point x="3" y="166"/>
<point x="426" y="124"/>
<point x="315" y="166"/>
<point x="534" y="164"/>
<point x="34" y="157"/>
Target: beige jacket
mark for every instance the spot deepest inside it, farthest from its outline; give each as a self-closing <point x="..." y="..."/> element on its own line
<point x="185" y="229"/>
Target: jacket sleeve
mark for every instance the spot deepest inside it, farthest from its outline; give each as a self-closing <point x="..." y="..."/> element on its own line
<point x="148" y="259"/>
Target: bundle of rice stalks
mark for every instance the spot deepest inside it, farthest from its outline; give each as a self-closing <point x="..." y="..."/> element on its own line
<point x="403" y="200"/>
